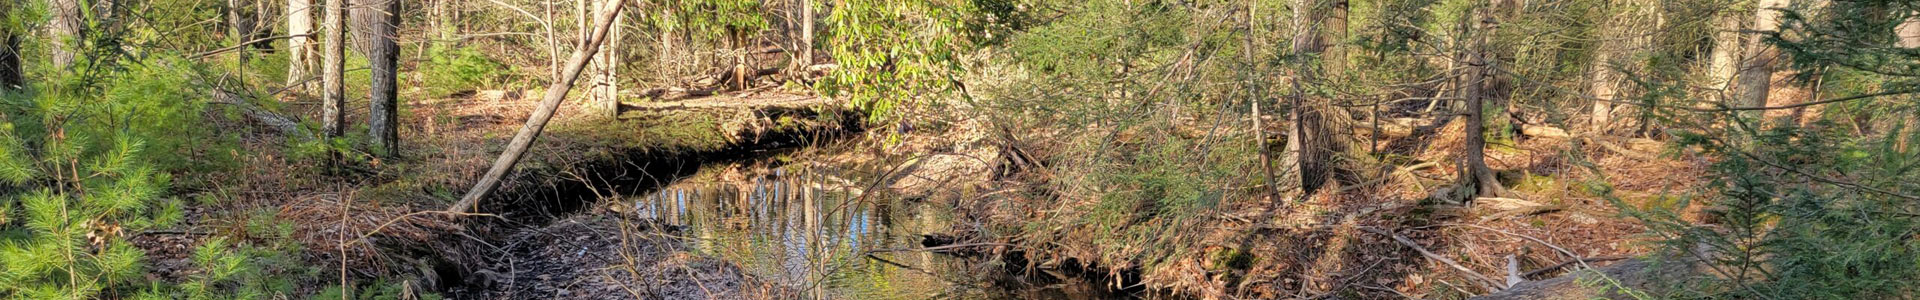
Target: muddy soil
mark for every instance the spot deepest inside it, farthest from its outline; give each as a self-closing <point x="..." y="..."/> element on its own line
<point x="605" y="256"/>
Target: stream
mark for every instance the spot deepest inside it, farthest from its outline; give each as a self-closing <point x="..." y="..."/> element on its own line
<point x="814" y="232"/>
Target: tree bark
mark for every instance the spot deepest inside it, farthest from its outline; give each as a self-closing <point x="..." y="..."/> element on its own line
<point x="1315" y="140"/>
<point x="299" y="45"/>
<point x="64" y="29"/>
<point x="333" y="88"/>
<point x="806" y="33"/>
<point x="1909" y="37"/>
<point x="375" y="23"/>
<point x="537" y="122"/>
<point x="1756" y="69"/>
<point x="1724" y="60"/>
<point x="1474" y="173"/>
<point x="605" y="92"/>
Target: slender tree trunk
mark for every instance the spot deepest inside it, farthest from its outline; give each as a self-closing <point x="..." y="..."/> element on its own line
<point x="333" y="95"/>
<point x="605" y="92"/>
<point x="64" y="31"/>
<point x="1909" y="33"/>
<point x="537" y="122"/>
<point x="299" y="47"/>
<point x="1474" y="173"/>
<point x="806" y="33"/>
<point x="375" y="23"/>
<point x="1756" y="69"/>
<point x="1724" y="60"/>
<point x="1602" y="83"/>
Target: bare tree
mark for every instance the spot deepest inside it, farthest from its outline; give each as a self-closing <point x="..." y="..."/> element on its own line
<point x="375" y="25"/>
<point x="537" y="122"/>
<point x="299" y="45"/>
<point x="333" y="89"/>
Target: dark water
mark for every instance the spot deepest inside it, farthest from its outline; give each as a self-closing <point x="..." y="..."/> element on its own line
<point x="816" y="233"/>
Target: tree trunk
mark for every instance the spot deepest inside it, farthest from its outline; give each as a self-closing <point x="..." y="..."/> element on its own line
<point x="1315" y="139"/>
<point x="1724" y="61"/>
<point x="536" y="122"/>
<point x="1909" y="33"/>
<point x="332" y="84"/>
<point x="1474" y="173"/>
<point x="1756" y="69"/>
<point x="375" y="23"/>
<point x="605" y="92"/>
<point x="64" y="30"/>
<point x="299" y="47"/>
<point x="806" y="33"/>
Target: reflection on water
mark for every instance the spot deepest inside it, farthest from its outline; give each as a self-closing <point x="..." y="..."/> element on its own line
<point x="814" y="232"/>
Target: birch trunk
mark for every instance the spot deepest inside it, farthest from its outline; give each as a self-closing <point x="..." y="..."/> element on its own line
<point x="299" y="45"/>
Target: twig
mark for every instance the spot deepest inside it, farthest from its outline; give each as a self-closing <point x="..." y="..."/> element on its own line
<point x="1494" y="285"/>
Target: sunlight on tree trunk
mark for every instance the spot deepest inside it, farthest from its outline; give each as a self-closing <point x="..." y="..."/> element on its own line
<point x="299" y="47"/>
<point x="332" y="84"/>
<point x="1724" y="60"/>
<point x="1756" y="68"/>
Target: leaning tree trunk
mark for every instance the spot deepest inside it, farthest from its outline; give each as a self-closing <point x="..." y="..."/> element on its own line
<point x="333" y="97"/>
<point x="299" y="45"/>
<point x="1316" y="138"/>
<point x="375" y="23"/>
<point x="537" y="122"/>
<point x="1756" y="69"/>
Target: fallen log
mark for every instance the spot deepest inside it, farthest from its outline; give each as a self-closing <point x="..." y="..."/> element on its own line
<point x="286" y="126"/>
<point x="1637" y="278"/>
